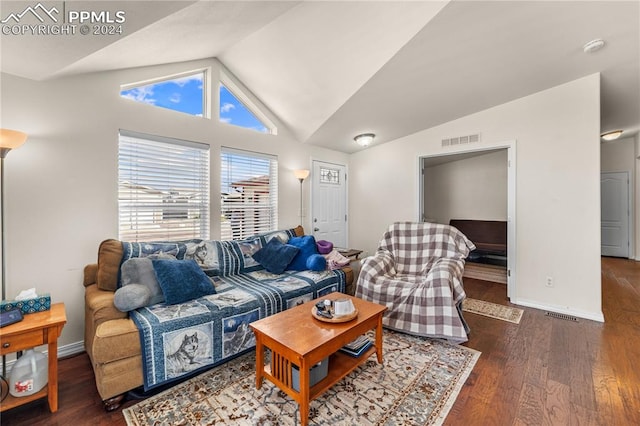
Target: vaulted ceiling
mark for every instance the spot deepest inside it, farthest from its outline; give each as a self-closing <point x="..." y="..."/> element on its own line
<point x="333" y="69"/>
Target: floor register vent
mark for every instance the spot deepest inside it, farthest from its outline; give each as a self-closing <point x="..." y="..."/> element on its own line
<point x="561" y="316"/>
<point x="461" y="140"/>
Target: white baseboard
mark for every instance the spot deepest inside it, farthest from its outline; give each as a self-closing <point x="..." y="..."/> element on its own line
<point x="71" y="349"/>
<point x="63" y="351"/>
<point x="597" y="316"/>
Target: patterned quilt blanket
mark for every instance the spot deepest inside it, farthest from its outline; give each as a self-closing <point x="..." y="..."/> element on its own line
<point x="179" y="340"/>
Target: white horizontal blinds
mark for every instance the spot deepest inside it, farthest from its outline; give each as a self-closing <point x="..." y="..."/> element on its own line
<point x="163" y="188"/>
<point x="249" y="187"/>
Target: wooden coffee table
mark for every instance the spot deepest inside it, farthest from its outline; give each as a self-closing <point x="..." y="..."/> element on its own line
<point x="295" y="337"/>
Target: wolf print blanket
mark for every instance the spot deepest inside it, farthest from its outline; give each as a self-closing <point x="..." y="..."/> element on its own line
<point x="179" y="340"/>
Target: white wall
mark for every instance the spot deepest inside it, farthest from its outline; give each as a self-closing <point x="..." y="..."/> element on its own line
<point x="619" y="156"/>
<point x="557" y="189"/>
<point x="472" y="188"/>
<point x="637" y="196"/>
<point x="61" y="186"/>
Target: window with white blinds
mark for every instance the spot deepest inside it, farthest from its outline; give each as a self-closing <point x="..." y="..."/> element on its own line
<point x="249" y="190"/>
<point x="163" y="188"/>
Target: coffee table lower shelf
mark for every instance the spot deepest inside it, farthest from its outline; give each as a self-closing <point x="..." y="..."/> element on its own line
<point x="340" y="365"/>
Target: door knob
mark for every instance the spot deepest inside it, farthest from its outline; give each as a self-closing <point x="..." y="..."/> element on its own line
<point x="316" y="229"/>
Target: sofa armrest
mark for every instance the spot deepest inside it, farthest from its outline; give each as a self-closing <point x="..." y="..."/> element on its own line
<point x="99" y="303"/>
<point x="90" y="274"/>
<point x="98" y="309"/>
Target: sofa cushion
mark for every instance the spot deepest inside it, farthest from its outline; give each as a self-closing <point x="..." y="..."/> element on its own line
<point x="275" y="256"/>
<point x="132" y="296"/>
<point x="140" y="271"/>
<point x="181" y="280"/>
<point x="109" y="257"/>
<point x="152" y="250"/>
<point x="307" y="246"/>
<point x="316" y="262"/>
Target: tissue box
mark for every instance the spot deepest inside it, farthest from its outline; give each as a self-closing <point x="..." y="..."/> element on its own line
<point x="28" y="306"/>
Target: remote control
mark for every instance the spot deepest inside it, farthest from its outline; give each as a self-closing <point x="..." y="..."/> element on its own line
<point x="325" y="314"/>
<point x="10" y="317"/>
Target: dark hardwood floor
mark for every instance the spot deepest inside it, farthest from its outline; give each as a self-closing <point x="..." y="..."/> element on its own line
<point x="544" y="371"/>
<point x="548" y="371"/>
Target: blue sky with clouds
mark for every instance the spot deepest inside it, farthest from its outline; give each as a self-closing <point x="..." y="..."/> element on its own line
<point x="233" y="111"/>
<point x="186" y="94"/>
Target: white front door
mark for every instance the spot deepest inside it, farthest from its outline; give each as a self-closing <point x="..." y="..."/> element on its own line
<point x="329" y="203"/>
<point x="614" y="208"/>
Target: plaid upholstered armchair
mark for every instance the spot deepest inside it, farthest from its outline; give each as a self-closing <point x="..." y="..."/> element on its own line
<point x="417" y="273"/>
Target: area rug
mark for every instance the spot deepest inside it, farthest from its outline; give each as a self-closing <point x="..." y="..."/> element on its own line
<point x="492" y="310"/>
<point x="416" y="385"/>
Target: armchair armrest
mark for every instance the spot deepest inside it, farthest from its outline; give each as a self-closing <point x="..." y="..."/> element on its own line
<point x="450" y="270"/>
<point x="382" y="263"/>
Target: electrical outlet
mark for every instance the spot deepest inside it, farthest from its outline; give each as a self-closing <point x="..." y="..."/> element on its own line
<point x="549" y="282"/>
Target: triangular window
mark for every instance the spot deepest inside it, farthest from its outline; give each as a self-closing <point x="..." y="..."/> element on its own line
<point x="183" y="93"/>
<point x="236" y="108"/>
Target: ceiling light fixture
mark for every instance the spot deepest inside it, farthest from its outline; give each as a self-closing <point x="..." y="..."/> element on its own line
<point x="593" y="46"/>
<point x="611" y="136"/>
<point x="364" y="139"/>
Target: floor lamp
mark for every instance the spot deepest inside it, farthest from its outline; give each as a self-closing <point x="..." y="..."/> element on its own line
<point x="301" y="175"/>
<point x="9" y="139"/>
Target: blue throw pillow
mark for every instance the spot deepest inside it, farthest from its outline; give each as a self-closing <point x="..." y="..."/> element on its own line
<point x="307" y="246"/>
<point x="181" y="280"/>
<point x="316" y="262"/>
<point x="275" y="256"/>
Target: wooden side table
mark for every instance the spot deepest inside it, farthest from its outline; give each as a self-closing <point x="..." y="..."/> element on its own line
<point x="351" y="253"/>
<point x="35" y="330"/>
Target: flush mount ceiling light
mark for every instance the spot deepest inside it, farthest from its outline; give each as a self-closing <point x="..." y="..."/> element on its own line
<point x="364" y="139"/>
<point x="593" y="46"/>
<point x="611" y="136"/>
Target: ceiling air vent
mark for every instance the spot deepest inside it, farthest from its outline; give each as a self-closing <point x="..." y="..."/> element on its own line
<point x="461" y="140"/>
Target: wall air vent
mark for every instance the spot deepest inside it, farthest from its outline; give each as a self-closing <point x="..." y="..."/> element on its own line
<point x="461" y="140"/>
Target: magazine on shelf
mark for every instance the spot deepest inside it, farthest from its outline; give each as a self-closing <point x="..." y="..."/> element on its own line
<point x="357" y="342"/>
<point x="357" y="346"/>
<point x="357" y="352"/>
